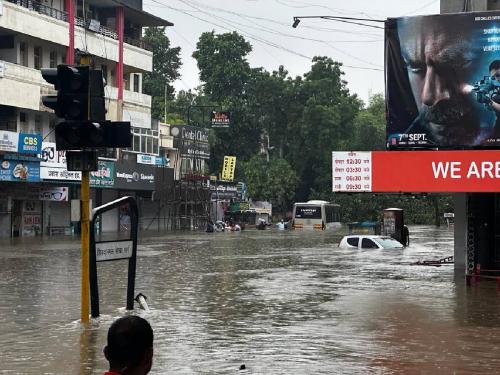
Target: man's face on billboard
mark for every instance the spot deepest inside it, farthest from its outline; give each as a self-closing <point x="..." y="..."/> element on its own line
<point x="439" y="60"/>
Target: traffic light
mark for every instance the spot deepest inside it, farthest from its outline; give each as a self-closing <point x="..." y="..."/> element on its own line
<point x="75" y="135"/>
<point x="80" y="103"/>
<point x="80" y="93"/>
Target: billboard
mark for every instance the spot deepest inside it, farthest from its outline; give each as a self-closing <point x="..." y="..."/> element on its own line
<point x="417" y="171"/>
<point x="220" y="119"/>
<point x="443" y="81"/>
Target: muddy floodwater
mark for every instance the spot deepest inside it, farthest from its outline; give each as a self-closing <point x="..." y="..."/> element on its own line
<point x="279" y="302"/>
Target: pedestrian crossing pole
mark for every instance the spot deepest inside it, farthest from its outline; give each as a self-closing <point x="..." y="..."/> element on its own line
<point x="85" y="239"/>
<point x="85" y="232"/>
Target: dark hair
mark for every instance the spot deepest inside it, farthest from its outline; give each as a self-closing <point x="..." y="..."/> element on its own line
<point x="129" y="338"/>
<point x="494" y="65"/>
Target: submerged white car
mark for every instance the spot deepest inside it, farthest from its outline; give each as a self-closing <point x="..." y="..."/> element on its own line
<point x="369" y="242"/>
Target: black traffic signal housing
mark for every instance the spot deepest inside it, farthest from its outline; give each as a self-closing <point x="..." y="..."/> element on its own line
<point x="75" y="135"/>
<point x="80" y="102"/>
<point x="80" y="93"/>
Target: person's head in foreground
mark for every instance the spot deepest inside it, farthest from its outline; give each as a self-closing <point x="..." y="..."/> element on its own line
<point x="129" y="350"/>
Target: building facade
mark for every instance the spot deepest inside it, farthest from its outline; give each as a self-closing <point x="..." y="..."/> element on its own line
<point x="37" y="194"/>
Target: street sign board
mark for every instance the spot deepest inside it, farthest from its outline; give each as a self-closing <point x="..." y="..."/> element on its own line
<point x="113" y="250"/>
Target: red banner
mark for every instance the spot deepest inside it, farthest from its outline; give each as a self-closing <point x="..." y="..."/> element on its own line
<point x="436" y="171"/>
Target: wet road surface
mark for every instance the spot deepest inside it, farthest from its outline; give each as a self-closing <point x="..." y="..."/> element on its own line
<point x="278" y="302"/>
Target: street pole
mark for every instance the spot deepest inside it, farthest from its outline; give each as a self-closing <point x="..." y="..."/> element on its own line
<point x="85" y="233"/>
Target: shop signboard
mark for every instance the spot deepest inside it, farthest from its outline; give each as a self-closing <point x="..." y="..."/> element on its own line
<point x="54" y="194"/>
<point x="443" y="81"/>
<point x="29" y="143"/>
<point x="59" y="174"/>
<point x="224" y="192"/>
<point x="192" y="141"/>
<point x="220" y="119"/>
<point x="9" y="141"/>
<point x="429" y="171"/>
<point x="19" y="171"/>
<point x="132" y="176"/>
<point x="150" y="159"/>
<point x="104" y="176"/>
<point x="20" y="142"/>
<point x="51" y="157"/>
<point x="228" y="168"/>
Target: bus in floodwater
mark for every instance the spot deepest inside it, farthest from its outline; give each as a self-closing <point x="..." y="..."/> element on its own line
<point x="316" y="214"/>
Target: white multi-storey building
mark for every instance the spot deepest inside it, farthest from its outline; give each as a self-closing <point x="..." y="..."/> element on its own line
<point x="43" y="34"/>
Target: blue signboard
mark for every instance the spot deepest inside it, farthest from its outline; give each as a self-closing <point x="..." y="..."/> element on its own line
<point x="29" y="143"/>
<point x="20" y="171"/>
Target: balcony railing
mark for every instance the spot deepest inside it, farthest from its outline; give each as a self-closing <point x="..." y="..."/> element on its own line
<point x="63" y="16"/>
<point x="41" y="8"/>
<point x="110" y="33"/>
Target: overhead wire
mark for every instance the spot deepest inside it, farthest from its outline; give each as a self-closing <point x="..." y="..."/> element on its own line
<point x="326" y="42"/>
<point x="257" y="38"/>
<point x="270" y="20"/>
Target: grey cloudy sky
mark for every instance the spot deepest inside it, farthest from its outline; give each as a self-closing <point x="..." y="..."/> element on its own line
<point x="267" y="25"/>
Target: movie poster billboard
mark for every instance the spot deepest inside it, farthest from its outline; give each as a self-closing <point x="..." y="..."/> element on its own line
<point x="443" y="81"/>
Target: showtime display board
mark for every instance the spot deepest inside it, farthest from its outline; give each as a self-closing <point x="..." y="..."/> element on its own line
<point x="443" y="81"/>
<point x="422" y="171"/>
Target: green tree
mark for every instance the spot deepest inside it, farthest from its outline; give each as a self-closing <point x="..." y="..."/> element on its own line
<point x="225" y="72"/>
<point x="166" y="65"/>
<point x="272" y="181"/>
<point x="369" y="128"/>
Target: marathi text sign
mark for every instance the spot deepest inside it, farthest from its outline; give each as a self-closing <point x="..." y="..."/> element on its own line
<point x="351" y="171"/>
<point x="113" y="250"/>
<point x="433" y="172"/>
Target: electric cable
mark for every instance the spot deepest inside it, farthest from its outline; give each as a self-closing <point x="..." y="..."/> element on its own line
<point x="249" y="35"/>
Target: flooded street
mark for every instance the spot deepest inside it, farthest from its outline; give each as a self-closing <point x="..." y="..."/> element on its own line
<point x="278" y="302"/>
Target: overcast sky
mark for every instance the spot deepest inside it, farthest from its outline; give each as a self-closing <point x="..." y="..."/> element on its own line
<point x="267" y="25"/>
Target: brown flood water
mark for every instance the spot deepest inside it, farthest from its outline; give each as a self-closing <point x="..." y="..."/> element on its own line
<point x="278" y="302"/>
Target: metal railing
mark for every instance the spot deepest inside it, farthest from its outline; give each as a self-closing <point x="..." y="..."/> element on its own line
<point x="63" y="16"/>
<point x="41" y="8"/>
<point x="110" y="33"/>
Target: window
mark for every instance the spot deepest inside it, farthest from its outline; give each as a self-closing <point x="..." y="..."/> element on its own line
<point x="145" y="141"/>
<point x="37" y="57"/>
<point x="136" y="82"/>
<point x="366" y="243"/>
<point x="23" y="54"/>
<point x="53" y="59"/>
<point x="308" y="212"/>
<point x="353" y="241"/>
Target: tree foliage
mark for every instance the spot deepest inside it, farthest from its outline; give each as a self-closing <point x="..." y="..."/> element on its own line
<point x="166" y="65"/>
<point x="272" y="181"/>
<point x="295" y="123"/>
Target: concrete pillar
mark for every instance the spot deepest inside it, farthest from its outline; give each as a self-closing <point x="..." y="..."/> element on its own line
<point x="120" y="26"/>
<point x="460" y="231"/>
<point x="70" y="53"/>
